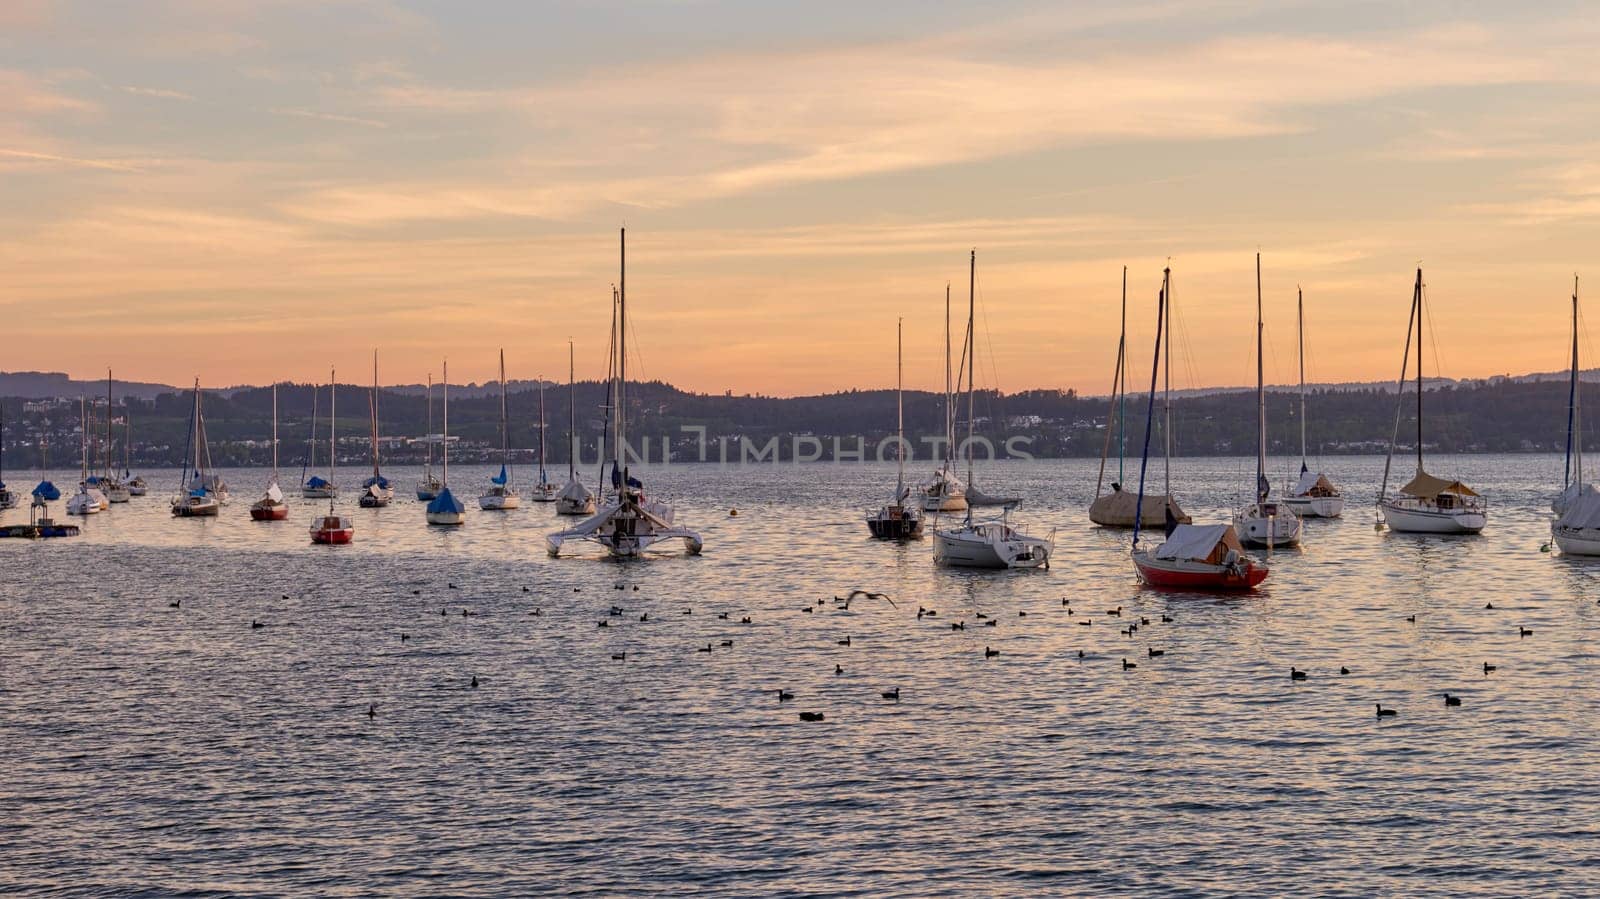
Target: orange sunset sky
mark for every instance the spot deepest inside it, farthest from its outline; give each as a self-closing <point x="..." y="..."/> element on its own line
<point x="250" y="191"/>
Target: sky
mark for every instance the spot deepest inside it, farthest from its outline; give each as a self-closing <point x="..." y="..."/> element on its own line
<point x="253" y="190"/>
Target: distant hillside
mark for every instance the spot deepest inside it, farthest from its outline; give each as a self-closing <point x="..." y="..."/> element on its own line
<point x="39" y="385"/>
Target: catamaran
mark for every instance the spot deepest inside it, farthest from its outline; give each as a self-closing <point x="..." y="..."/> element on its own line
<point x="629" y="523"/>
<point x="1116" y="508"/>
<point x="1193" y="556"/>
<point x="574" y="498"/>
<point x="1314" y="495"/>
<point x="543" y="491"/>
<point x="1577" y="528"/>
<point x="198" y="490"/>
<point x="994" y="543"/>
<point x="501" y="495"/>
<point x="88" y="500"/>
<point x="1426" y="504"/>
<point x="332" y="528"/>
<point x="375" y="491"/>
<point x="1264" y="522"/>
<point x="944" y="492"/>
<point x="444" y="508"/>
<point x="315" y="487"/>
<point x="898" y="521"/>
<point x="428" y="487"/>
<point x="270" y="506"/>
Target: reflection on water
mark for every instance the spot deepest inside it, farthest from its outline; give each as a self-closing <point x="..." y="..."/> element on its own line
<point x="159" y="748"/>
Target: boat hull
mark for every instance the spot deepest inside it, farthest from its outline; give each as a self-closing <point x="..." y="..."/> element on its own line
<point x="490" y="503"/>
<point x="1413" y="520"/>
<point x="204" y="509"/>
<point x="894" y="524"/>
<point x="1577" y="541"/>
<point x="446" y="519"/>
<point x="1271" y="530"/>
<point x="332" y="530"/>
<point x="1315" y="506"/>
<point x="1177" y="574"/>
<point x="319" y="492"/>
<point x="574" y="507"/>
<point x="269" y="513"/>
<point x="1118" y="510"/>
<point x="427" y="496"/>
<point x="953" y="502"/>
<point x="954" y="550"/>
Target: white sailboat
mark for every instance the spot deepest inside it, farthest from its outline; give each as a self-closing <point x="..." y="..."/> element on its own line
<point x="574" y="498"/>
<point x="543" y="491"/>
<point x="88" y="500"/>
<point x="315" y="486"/>
<point x="1576" y="530"/>
<point x="198" y="490"/>
<point x="629" y="523"/>
<point x="994" y="543"/>
<point x="944" y="492"/>
<point x="428" y="487"/>
<point x="1264" y="522"/>
<point x="376" y="491"/>
<point x="270" y="507"/>
<point x="898" y="521"/>
<point x="444" y="509"/>
<point x="136" y="484"/>
<point x="1314" y="495"/>
<point x="1426" y="504"/>
<point x="501" y="495"/>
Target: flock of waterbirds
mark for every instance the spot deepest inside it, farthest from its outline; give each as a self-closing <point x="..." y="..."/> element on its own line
<point x="1130" y="627"/>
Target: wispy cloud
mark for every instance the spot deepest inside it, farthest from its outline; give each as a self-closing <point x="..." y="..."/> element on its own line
<point x="30" y="156"/>
<point x="330" y="117"/>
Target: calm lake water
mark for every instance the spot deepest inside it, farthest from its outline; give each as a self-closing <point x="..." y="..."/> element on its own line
<point x="156" y="750"/>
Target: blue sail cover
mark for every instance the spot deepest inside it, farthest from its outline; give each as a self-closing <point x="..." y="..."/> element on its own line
<point x="445" y="502"/>
<point x="377" y="479"/>
<point x="501" y="477"/>
<point x="316" y="482"/>
<point x="46" y="491"/>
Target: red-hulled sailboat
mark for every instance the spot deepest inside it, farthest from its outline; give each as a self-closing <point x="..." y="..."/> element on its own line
<point x="1194" y="556"/>
<point x="332" y="528"/>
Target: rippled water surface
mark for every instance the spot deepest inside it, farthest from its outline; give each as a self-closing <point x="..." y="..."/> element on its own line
<point x="157" y="749"/>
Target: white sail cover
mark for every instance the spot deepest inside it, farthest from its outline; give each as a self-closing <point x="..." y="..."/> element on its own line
<point x="273" y="493"/>
<point x="1193" y="542"/>
<point x="1583" y="511"/>
<point x="1310" y="481"/>
<point x="1563" y="500"/>
<point x="575" y="491"/>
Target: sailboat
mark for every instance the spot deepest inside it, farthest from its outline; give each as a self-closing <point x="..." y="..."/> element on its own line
<point x="270" y="506"/>
<point x="501" y="495"/>
<point x="898" y="521"/>
<point x="1577" y="528"/>
<point x="1264" y="522"/>
<point x="994" y="543"/>
<point x="197" y="494"/>
<point x="444" y="508"/>
<point x="544" y="491"/>
<point x="944" y="492"/>
<point x="136" y="484"/>
<point x="316" y="486"/>
<point x="1193" y="556"/>
<point x="1314" y="495"/>
<point x="428" y="487"/>
<point x="1426" y="504"/>
<point x="629" y="523"/>
<point x="88" y="500"/>
<point x="332" y="528"/>
<point x="110" y="484"/>
<point x="574" y="498"/>
<point x="376" y="492"/>
<point x="8" y="497"/>
<point x="1116" y="508"/>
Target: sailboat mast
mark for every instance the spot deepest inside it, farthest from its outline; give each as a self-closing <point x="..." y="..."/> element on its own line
<point x="1261" y="395"/>
<point x="572" y="414"/>
<point x="1150" y="409"/>
<point x="1419" y="369"/>
<point x="1577" y="393"/>
<point x="375" y="472"/>
<point x="1300" y="326"/>
<point x="428" y="443"/>
<point x="972" y="351"/>
<point x="444" y="442"/>
<point x="274" y="433"/>
<point x="505" y="441"/>
<point x="1117" y="387"/>
<point x="1166" y="376"/>
<point x="109" y="444"/>
<point x="199" y="435"/>
<point x="541" y="431"/>
<point x="333" y="420"/>
<point x="1121" y="383"/>
<point x="899" y="410"/>
<point x="949" y="387"/>
<point x="83" y="439"/>
<point x="622" y="349"/>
